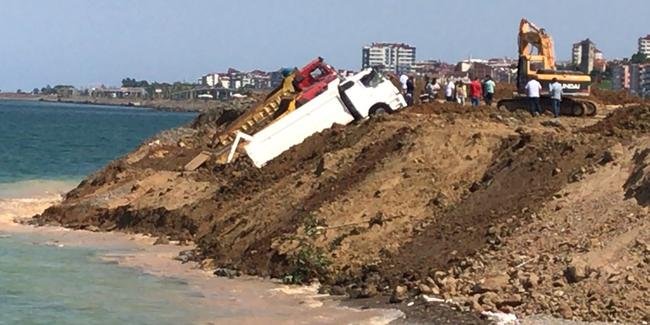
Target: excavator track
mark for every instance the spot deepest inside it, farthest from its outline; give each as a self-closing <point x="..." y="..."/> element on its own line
<point x="571" y="106"/>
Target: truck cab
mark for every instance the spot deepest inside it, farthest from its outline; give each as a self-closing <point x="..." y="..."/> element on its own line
<point x="369" y="92"/>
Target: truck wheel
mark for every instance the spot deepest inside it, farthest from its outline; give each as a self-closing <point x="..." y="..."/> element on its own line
<point x="379" y="109"/>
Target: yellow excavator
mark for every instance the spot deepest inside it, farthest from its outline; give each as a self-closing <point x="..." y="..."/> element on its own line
<point x="537" y="60"/>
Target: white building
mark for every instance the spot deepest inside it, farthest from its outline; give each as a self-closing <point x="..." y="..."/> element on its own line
<point x="585" y="55"/>
<point x="644" y="45"/>
<point x="393" y="57"/>
<point x="210" y="79"/>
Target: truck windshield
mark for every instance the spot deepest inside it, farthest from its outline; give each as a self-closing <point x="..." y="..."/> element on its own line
<point x="373" y="79"/>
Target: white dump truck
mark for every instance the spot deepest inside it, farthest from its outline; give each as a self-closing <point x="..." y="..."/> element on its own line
<point x="345" y="100"/>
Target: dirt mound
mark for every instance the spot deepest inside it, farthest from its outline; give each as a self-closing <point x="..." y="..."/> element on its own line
<point x="612" y="97"/>
<point x="504" y="90"/>
<point x="493" y="209"/>
<point x="624" y="122"/>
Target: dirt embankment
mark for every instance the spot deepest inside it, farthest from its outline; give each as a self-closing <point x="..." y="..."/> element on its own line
<point x="494" y="210"/>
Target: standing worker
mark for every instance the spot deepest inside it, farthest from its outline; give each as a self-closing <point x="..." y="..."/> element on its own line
<point x="410" y="90"/>
<point x="449" y="90"/>
<point x="475" y="91"/>
<point x="490" y="87"/>
<point x="461" y="92"/>
<point x="403" y="79"/>
<point x="533" y="87"/>
<point x="555" y="89"/>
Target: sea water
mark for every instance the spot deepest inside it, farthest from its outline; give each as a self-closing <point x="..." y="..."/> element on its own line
<point x="43" y="283"/>
<point x="46" y="148"/>
<point x="40" y="140"/>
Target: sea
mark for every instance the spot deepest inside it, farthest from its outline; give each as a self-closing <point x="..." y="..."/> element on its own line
<point x="45" y="149"/>
<point x="48" y="148"/>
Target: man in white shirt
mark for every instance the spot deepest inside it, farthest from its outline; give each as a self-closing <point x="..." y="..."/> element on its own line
<point x="449" y="90"/>
<point x="403" y="79"/>
<point x="533" y="88"/>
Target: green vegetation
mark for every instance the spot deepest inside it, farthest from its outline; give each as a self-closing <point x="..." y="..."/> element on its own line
<point x="158" y="89"/>
<point x="308" y="261"/>
<point x="639" y="58"/>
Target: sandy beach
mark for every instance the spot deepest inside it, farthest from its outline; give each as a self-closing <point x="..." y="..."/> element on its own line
<point x="249" y="300"/>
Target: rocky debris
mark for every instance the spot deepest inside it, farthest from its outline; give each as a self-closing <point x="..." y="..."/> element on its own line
<point x="93" y="228"/>
<point x="577" y="272"/>
<point x="162" y="240"/>
<point x="227" y="273"/>
<point x="400" y="293"/>
<point x="554" y="123"/>
<point x="186" y="256"/>
<point x="495" y="283"/>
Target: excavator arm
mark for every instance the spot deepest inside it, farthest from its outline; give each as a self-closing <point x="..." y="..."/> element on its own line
<point x="533" y="38"/>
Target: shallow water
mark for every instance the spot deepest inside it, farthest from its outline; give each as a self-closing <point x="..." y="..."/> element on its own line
<point x="45" y="149"/>
<point x="41" y="283"/>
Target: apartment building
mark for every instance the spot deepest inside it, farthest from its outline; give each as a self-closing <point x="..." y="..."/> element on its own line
<point x="644" y="45"/>
<point x="388" y="57"/>
<point x="585" y="55"/>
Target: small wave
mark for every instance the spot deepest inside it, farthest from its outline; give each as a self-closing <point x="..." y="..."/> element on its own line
<point x="24" y="199"/>
<point x="36" y="189"/>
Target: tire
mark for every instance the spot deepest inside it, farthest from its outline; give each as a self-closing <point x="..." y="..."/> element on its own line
<point x="379" y="109"/>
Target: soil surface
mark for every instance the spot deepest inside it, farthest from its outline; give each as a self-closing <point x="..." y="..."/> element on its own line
<point x="490" y="210"/>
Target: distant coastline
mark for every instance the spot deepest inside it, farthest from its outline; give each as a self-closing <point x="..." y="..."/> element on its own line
<point x="156" y="104"/>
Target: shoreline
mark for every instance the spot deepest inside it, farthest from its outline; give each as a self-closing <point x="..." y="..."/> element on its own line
<point x="166" y="105"/>
<point x="275" y="302"/>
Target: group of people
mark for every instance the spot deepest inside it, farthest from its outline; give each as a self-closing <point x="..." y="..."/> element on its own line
<point x="533" y="90"/>
<point x="459" y="91"/>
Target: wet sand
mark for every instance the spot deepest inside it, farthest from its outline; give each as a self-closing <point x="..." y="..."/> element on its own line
<point x="244" y="300"/>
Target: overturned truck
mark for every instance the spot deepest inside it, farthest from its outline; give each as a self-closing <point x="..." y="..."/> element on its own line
<point x="288" y="117"/>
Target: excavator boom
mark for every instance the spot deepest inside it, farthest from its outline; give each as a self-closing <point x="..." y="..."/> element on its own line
<point x="532" y="37"/>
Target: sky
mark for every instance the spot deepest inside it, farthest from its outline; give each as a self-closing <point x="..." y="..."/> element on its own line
<point x="92" y="42"/>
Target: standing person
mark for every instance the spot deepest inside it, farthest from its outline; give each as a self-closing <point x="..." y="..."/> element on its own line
<point x="432" y="88"/>
<point x="490" y="87"/>
<point x="475" y="91"/>
<point x="555" y="89"/>
<point x="428" y="90"/>
<point x="449" y="90"/>
<point x="410" y="90"/>
<point x="403" y="79"/>
<point x="533" y="88"/>
<point x="461" y="92"/>
<point x="435" y="89"/>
